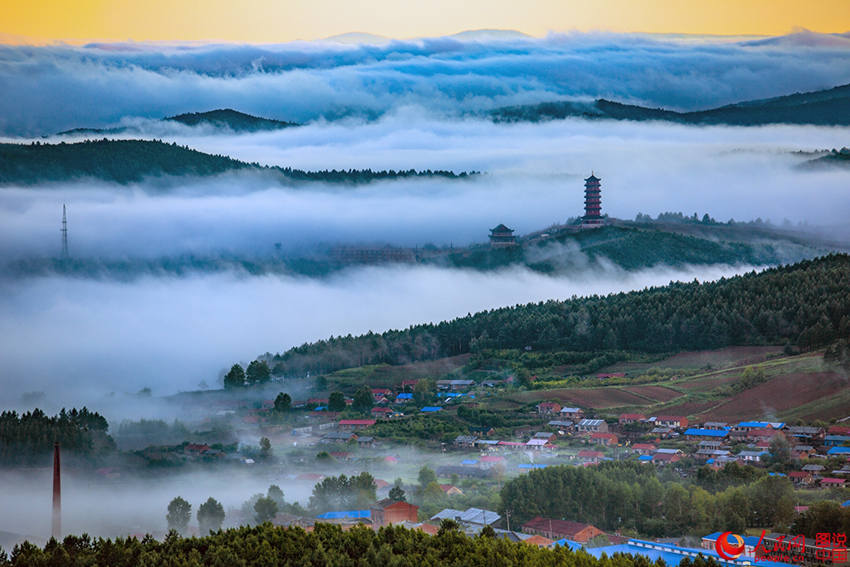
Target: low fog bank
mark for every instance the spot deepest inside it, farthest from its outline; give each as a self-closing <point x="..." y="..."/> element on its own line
<point x="101" y="504"/>
<point x="78" y="340"/>
<point x="534" y="178"/>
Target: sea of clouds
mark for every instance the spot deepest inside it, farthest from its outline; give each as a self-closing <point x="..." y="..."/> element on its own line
<point x="57" y="87"/>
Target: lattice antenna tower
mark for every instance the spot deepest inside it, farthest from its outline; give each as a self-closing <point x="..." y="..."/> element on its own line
<point x="64" y="231"/>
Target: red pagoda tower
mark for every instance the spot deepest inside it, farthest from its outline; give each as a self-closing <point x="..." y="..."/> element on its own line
<point x="592" y="203"/>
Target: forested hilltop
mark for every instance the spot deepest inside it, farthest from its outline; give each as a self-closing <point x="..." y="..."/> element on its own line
<point x="232" y="119"/>
<point x="826" y="107"/>
<point x="805" y="304"/>
<point x="130" y="161"/>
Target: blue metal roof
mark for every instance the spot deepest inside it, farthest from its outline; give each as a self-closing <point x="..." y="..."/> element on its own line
<point x="758" y="424"/>
<point x="531" y="466"/>
<point x="707" y="432"/>
<point x="776" y="474"/>
<point x="469" y="462"/>
<point x="748" y="539"/>
<point x="845" y="504"/>
<point x="564" y="542"/>
<point x="404" y="397"/>
<point x="839" y="451"/>
<point x="345" y="515"/>
<point x="431" y="408"/>
<point x="670" y="554"/>
<point x="645" y="458"/>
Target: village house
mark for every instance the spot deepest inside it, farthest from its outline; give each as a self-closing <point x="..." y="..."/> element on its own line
<point x="365" y="441"/>
<point x="673" y="421"/>
<point x="701" y="433"/>
<point x="561" y="424"/>
<point x="750" y="425"/>
<point x="710" y="444"/>
<point x="627" y="418"/>
<point x="465" y="441"/>
<point x="571" y="413"/>
<point x="802" y="451"/>
<point x="714" y="425"/>
<point x="665" y="456"/>
<point x="355" y="424"/>
<point x="471" y="517"/>
<point x="547" y="435"/>
<point x="386" y="512"/>
<point x="712" y="453"/>
<point x="592" y="426"/>
<point x="604" y="439"/>
<point x="801" y="478"/>
<point x="454" y="385"/>
<point x="829" y="482"/>
<point x="451" y="490"/>
<point x="836" y="440"/>
<point x="548" y="408"/>
<point x="589" y="456"/>
<point x="751" y="456"/>
<point x="643" y="448"/>
<point x="538" y="444"/>
<point x="805" y="433"/>
<point x="559" y="529"/>
<point x="338" y="437"/>
<point x="379" y="394"/>
<point x="838" y="430"/>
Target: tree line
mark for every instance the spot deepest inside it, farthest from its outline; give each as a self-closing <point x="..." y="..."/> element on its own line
<point x="805" y="304"/>
<point x="131" y="161"/>
<point x="28" y="438"/>
<point x="326" y="546"/>
<point x="630" y="496"/>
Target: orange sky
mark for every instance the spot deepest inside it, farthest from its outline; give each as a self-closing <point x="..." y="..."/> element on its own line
<point x="39" y="21"/>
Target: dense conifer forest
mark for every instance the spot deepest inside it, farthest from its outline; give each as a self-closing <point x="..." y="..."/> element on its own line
<point x="804" y="304"/>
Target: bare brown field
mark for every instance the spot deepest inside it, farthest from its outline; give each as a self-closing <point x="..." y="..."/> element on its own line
<point x="657" y="393"/>
<point x="781" y="394"/>
<point x="709" y="382"/>
<point x="600" y="398"/>
<point x="689" y="408"/>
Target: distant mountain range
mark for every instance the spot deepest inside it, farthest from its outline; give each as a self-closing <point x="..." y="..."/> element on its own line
<point x="830" y="107"/>
<point x="222" y="118"/>
<point x="131" y="161"/>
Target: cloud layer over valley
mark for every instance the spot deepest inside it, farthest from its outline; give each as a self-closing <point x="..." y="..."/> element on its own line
<point x="58" y="87"/>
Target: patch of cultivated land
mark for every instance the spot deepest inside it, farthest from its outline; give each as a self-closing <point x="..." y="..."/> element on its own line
<point x="781" y="395"/>
<point x="657" y="393"/>
<point x="720" y="358"/>
<point x="600" y="398"/>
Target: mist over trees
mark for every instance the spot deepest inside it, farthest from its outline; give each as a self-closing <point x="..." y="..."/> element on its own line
<point x="805" y="304"/>
<point x="28" y="438"/>
<point x="210" y="516"/>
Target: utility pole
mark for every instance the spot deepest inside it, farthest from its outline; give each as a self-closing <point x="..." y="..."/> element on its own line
<point x="64" y="231"/>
